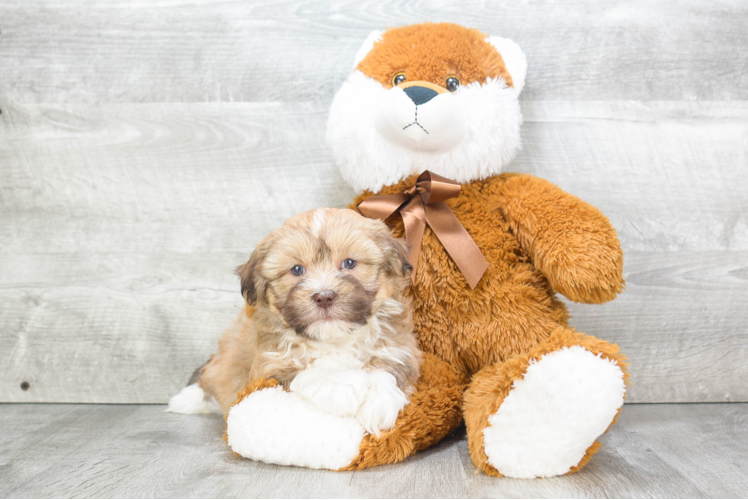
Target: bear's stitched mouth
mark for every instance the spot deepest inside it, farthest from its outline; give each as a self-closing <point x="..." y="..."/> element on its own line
<point x="416" y="123"/>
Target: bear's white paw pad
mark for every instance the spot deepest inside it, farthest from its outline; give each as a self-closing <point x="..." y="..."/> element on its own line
<point x="383" y="403"/>
<point x="278" y="427"/>
<point x="553" y="414"/>
<point x="338" y="392"/>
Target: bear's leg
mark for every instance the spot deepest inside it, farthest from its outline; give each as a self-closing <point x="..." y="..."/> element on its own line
<point x="539" y="414"/>
<point x="433" y="411"/>
<point x="276" y="426"/>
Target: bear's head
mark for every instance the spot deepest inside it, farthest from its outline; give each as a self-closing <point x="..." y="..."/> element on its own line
<point x="436" y="97"/>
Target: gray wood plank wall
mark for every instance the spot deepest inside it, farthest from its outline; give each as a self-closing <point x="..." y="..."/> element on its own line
<point x="146" y="146"/>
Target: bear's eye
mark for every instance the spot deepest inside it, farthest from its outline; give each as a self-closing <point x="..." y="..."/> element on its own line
<point x="453" y="83"/>
<point x="298" y="270"/>
<point x="349" y="264"/>
<point x="398" y="79"/>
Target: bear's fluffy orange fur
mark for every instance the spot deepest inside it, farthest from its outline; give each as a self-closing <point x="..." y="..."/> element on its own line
<point x="420" y="52"/>
<point x="537" y="239"/>
<point x="479" y="341"/>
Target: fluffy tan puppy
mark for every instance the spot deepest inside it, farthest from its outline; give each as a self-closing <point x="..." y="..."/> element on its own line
<point x="327" y="317"/>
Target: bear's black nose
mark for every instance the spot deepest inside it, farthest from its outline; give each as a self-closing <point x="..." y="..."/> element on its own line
<point x="420" y="95"/>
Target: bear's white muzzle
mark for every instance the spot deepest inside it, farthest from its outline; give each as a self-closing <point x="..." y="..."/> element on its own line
<point x="416" y="120"/>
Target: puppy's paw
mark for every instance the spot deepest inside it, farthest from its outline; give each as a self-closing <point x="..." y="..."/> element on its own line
<point x="383" y="403"/>
<point x="338" y="392"/>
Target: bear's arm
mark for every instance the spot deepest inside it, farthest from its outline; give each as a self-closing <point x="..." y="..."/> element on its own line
<point x="569" y="240"/>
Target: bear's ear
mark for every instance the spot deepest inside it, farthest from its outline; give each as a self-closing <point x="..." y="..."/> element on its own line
<point x="374" y="36"/>
<point x="514" y="59"/>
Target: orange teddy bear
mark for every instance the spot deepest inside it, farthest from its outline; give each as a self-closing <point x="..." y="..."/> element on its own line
<point x="534" y="394"/>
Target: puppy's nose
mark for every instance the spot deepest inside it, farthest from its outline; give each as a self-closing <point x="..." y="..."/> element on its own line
<point x="420" y="95"/>
<point x="324" y="299"/>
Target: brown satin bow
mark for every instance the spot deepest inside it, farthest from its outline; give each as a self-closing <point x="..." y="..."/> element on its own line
<point x="421" y="204"/>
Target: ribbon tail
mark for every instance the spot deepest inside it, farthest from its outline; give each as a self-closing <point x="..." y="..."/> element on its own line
<point x="457" y="242"/>
<point x="414" y="220"/>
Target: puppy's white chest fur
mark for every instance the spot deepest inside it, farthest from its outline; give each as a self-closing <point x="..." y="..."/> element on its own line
<point x="336" y="383"/>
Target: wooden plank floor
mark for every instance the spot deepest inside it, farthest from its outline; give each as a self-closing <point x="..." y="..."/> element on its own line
<point x="668" y="450"/>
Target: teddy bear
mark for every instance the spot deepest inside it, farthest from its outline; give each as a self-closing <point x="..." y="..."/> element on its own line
<point x="423" y="129"/>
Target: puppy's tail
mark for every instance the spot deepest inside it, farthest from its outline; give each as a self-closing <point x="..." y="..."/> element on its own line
<point x="193" y="399"/>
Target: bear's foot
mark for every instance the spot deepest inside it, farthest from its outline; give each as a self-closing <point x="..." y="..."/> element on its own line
<point x="539" y="415"/>
<point x="279" y="427"/>
<point x="554" y="414"/>
<point x="275" y="426"/>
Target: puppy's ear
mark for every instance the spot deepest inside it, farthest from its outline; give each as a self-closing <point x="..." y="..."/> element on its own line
<point x="251" y="281"/>
<point x="397" y="253"/>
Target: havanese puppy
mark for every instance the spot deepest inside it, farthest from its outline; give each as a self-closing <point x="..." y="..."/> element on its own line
<point x="327" y="318"/>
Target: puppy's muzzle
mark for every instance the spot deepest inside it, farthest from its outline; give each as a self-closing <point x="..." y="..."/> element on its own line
<point x="324" y="299"/>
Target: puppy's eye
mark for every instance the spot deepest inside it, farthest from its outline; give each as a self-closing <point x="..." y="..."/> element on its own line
<point x="453" y="83"/>
<point x="349" y="264"/>
<point x="398" y="79"/>
<point x="298" y="270"/>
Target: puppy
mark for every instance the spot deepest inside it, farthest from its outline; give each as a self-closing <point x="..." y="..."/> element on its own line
<point x="327" y="318"/>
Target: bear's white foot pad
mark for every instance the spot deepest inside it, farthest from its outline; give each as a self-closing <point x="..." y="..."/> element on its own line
<point x="278" y="427"/>
<point x="565" y="401"/>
